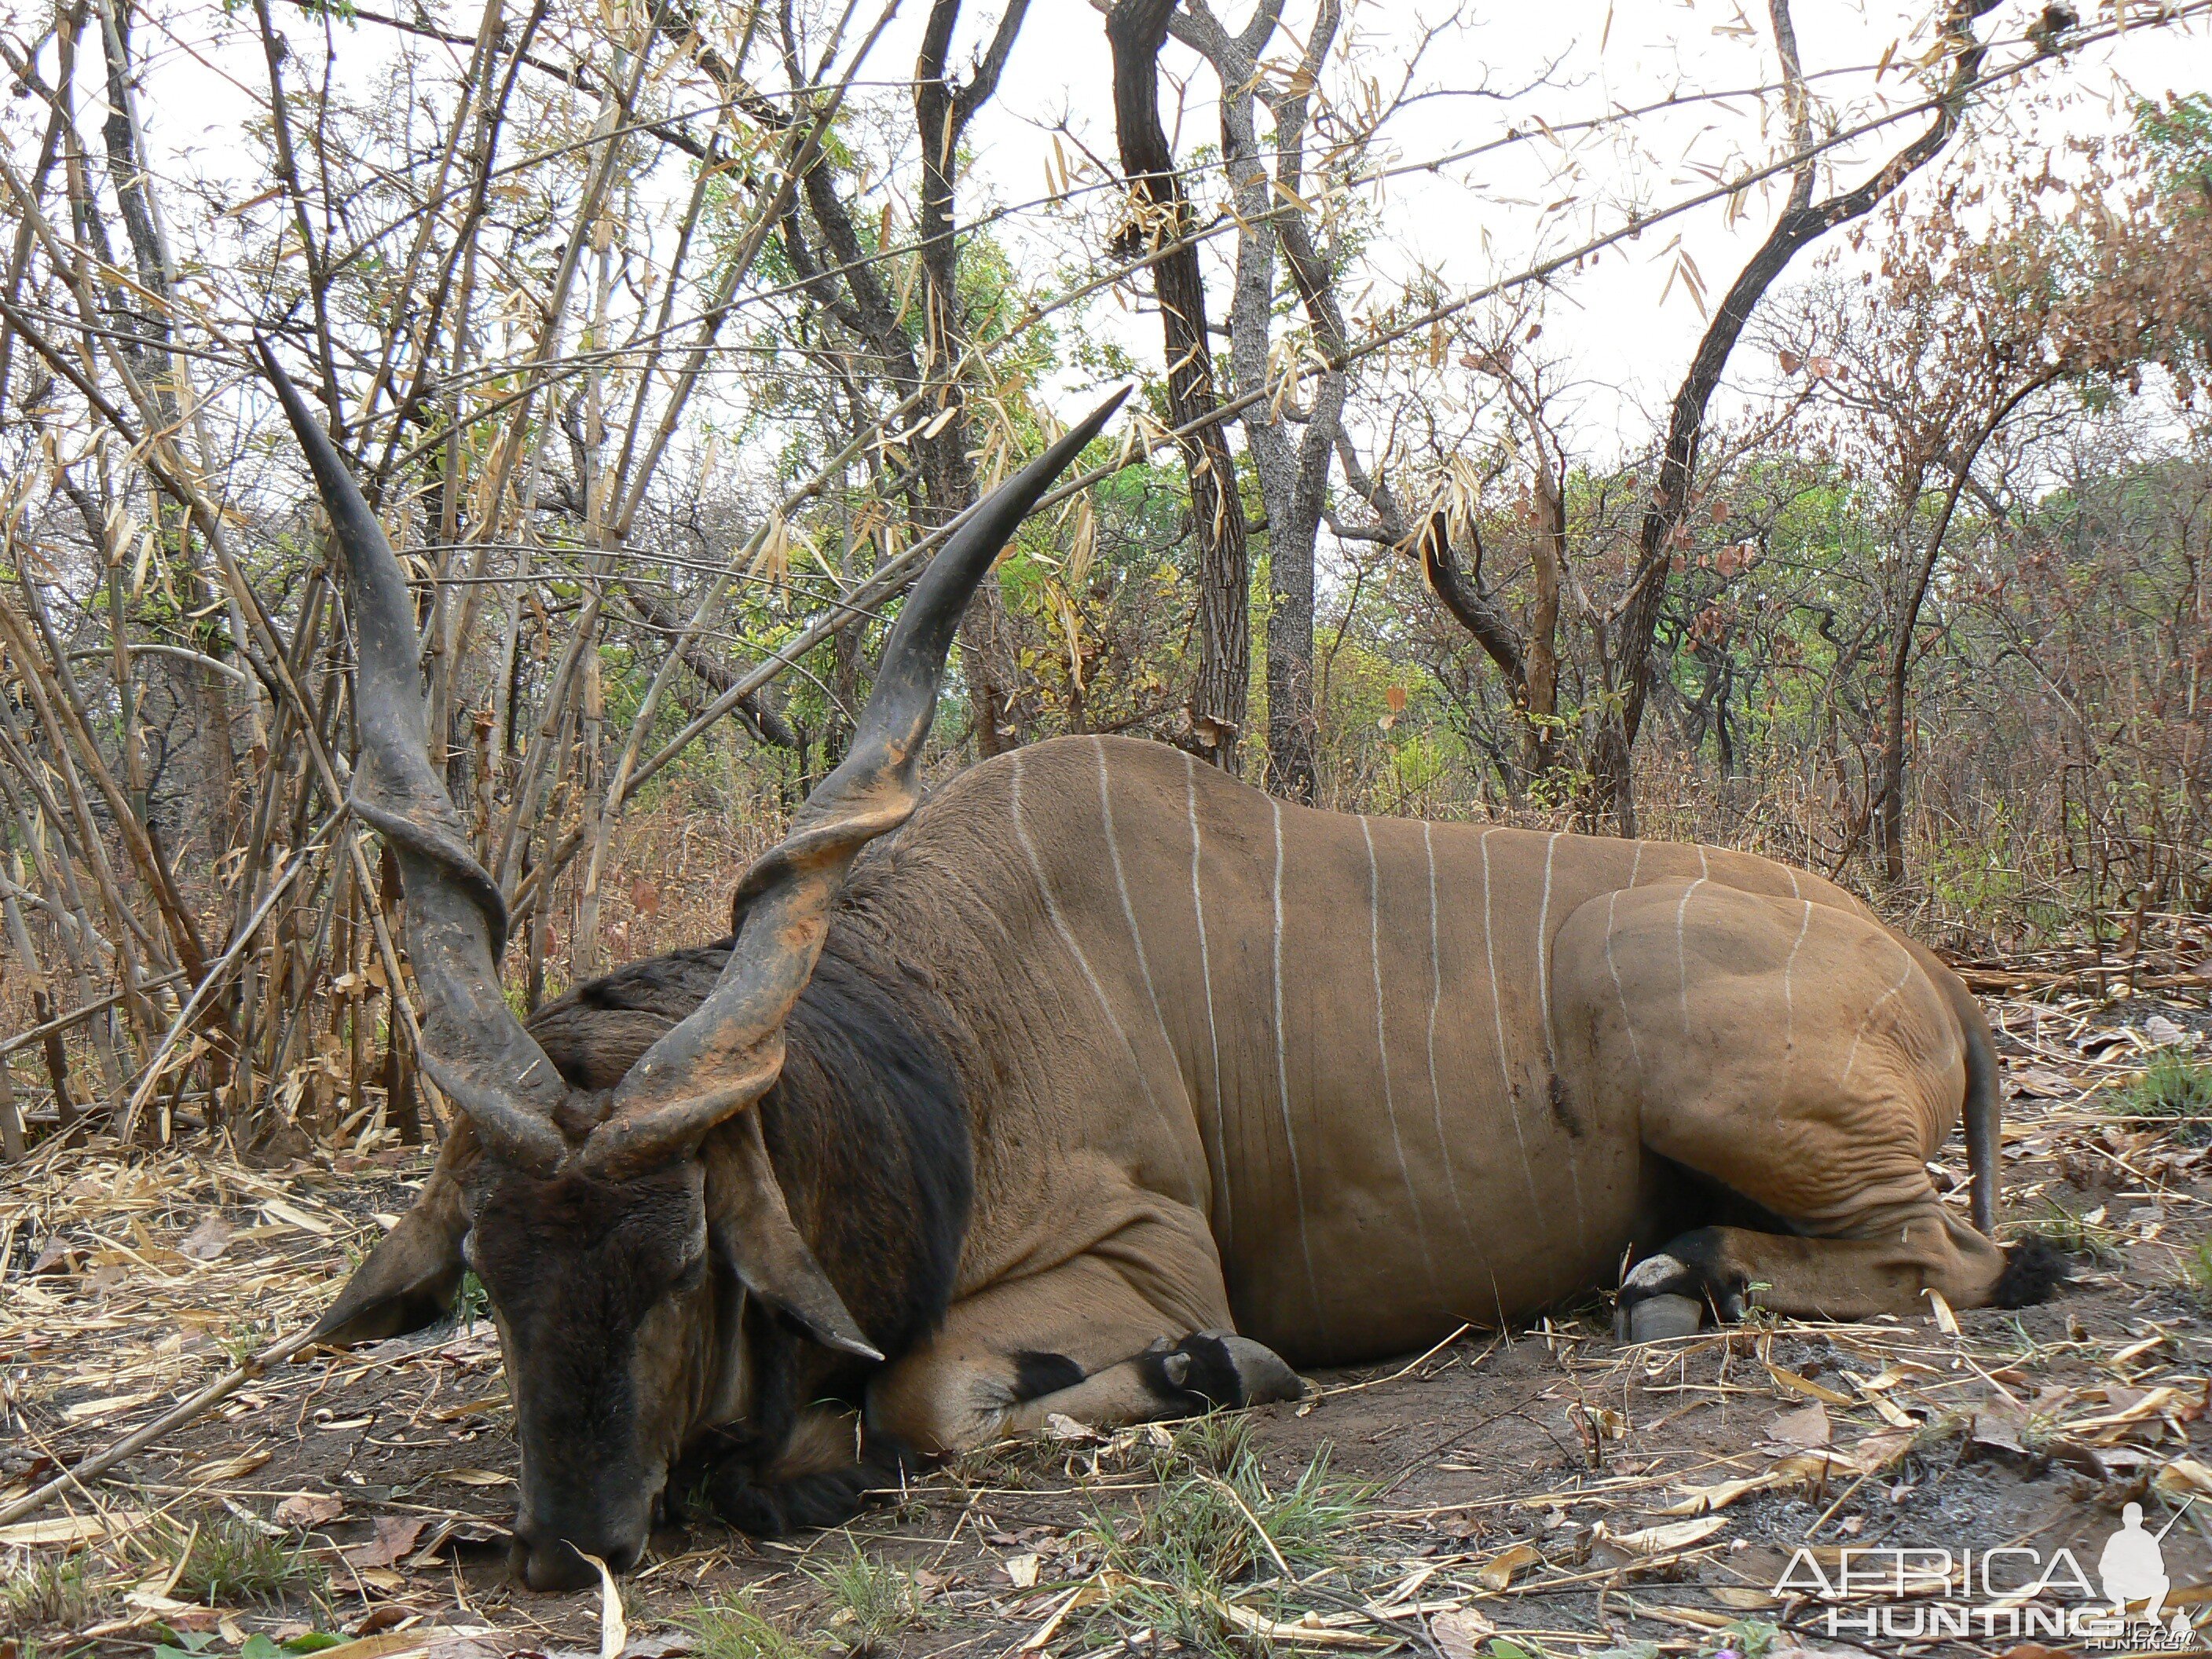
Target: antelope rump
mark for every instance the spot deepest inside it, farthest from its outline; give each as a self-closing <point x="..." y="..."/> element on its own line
<point x="1102" y="1084"/>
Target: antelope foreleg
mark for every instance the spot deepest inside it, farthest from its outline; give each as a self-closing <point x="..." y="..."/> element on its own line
<point x="1082" y="1341"/>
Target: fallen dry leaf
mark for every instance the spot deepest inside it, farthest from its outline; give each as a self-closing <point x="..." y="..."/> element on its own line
<point x="476" y="1478"/>
<point x="376" y="1647"/>
<point x="1461" y="1632"/>
<point x="58" y="1255"/>
<point x="1300" y="1634"/>
<point x="227" y="1468"/>
<point x="1790" y="1383"/>
<point x="1023" y="1570"/>
<point x="1808" y="1427"/>
<point x="2001" y="1426"/>
<point x="1497" y="1573"/>
<point x="207" y="1241"/>
<point x="1879" y="1449"/>
<point x="86" y="1411"/>
<point x="297" y="1216"/>
<point x="308" y="1511"/>
<point x="395" y="1537"/>
<point x="1703" y="1500"/>
<point x="1945" y="1320"/>
<point x="73" y="1528"/>
<point x="2184" y="1475"/>
<point x="614" y="1629"/>
<point x="168" y="1608"/>
<point x="1741" y="1597"/>
<point x="1675" y="1536"/>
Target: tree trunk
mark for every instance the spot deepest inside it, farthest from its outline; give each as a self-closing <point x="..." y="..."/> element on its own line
<point x="1546" y="569"/>
<point x="1889" y="821"/>
<point x="942" y="111"/>
<point x="1292" y="471"/>
<point x="1802" y="223"/>
<point x="209" y="690"/>
<point x="1161" y="221"/>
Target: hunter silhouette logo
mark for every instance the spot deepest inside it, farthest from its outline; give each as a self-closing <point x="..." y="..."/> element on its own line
<point x="2133" y="1565"/>
<point x="2009" y="1591"/>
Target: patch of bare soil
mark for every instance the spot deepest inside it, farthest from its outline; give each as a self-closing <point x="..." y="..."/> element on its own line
<point x="1544" y="1489"/>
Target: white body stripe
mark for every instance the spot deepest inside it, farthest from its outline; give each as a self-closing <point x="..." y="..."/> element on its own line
<point x="1435" y="1001"/>
<point x="1205" y="976"/>
<point x="1681" y="949"/>
<point x="1497" y="1020"/>
<point x="1383" y="1042"/>
<point x="1627" y="1021"/>
<point x="1551" y="1050"/>
<point x="1128" y="911"/>
<point x="1282" y="1072"/>
<point x="1789" y="994"/>
<point x="1866" y="1019"/>
<point x="1067" y="934"/>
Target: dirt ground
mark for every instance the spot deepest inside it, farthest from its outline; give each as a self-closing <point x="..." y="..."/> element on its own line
<point x="1545" y="1490"/>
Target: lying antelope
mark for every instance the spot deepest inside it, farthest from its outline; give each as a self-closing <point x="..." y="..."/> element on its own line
<point x="1104" y="1086"/>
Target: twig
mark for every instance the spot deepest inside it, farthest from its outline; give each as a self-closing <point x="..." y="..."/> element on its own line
<point x="63" y="1022"/>
<point x="1411" y="1366"/>
<point x="138" y="1439"/>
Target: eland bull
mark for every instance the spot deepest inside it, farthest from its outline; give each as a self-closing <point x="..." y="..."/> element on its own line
<point x="1104" y="1086"/>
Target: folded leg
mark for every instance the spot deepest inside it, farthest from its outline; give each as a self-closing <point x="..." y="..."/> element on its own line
<point x="1135" y="1329"/>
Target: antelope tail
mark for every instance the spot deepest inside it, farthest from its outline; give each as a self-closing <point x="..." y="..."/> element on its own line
<point x="1984" y="1107"/>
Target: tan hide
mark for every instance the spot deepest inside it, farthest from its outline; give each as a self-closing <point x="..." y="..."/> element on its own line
<point x="1407" y="1075"/>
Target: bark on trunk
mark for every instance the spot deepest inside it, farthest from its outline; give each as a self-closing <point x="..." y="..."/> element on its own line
<point x="1161" y="219"/>
<point x="942" y="111"/>
<point x="1889" y="819"/>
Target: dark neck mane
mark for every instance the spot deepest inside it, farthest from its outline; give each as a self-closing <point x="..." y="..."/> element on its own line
<point x="866" y="1127"/>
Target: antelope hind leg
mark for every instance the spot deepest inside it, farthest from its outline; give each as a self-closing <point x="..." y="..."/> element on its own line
<point x="1728" y="1269"/>
<point x="1080" y="1341"/>
<point x="1799" y="1056"/>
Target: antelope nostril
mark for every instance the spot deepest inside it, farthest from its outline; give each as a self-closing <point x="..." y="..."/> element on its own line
<point x="552" y="1559"/>
<point x="550" y="1564"/>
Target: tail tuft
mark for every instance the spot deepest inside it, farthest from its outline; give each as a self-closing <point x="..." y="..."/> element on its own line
<point x="2034" y="1269"/>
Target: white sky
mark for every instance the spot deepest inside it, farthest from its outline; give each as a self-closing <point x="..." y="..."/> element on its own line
<point x="1471" y="223"/>
<point x="1476" y="222"/>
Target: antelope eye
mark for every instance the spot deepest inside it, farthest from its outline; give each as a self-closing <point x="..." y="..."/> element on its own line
<point x="694" y="1270"/>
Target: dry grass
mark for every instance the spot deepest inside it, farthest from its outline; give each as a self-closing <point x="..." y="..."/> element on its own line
<point x="158" y="1271"/>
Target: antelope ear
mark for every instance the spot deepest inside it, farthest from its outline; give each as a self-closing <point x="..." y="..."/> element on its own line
<point x="751" y="1227"/>
<point x="411" y="1277"/>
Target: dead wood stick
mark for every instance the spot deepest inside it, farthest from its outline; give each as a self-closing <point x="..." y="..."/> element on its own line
<point x="138" y="1439"/>
<point x="63" y="1022"/>
<point x="151" y="1078"/>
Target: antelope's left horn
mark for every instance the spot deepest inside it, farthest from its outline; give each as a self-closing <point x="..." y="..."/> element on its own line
<point x="473" y="1047"/>
<point x="729" y="1051"/>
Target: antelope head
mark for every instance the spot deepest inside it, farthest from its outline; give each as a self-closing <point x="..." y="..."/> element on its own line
<point x="618" y="1232"/>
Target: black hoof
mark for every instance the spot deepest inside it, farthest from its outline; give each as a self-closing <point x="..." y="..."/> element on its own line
<point x="1655" y="1318"/>
<point x="1211" y="1370"/>
<point x="1690" y="1270"/>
